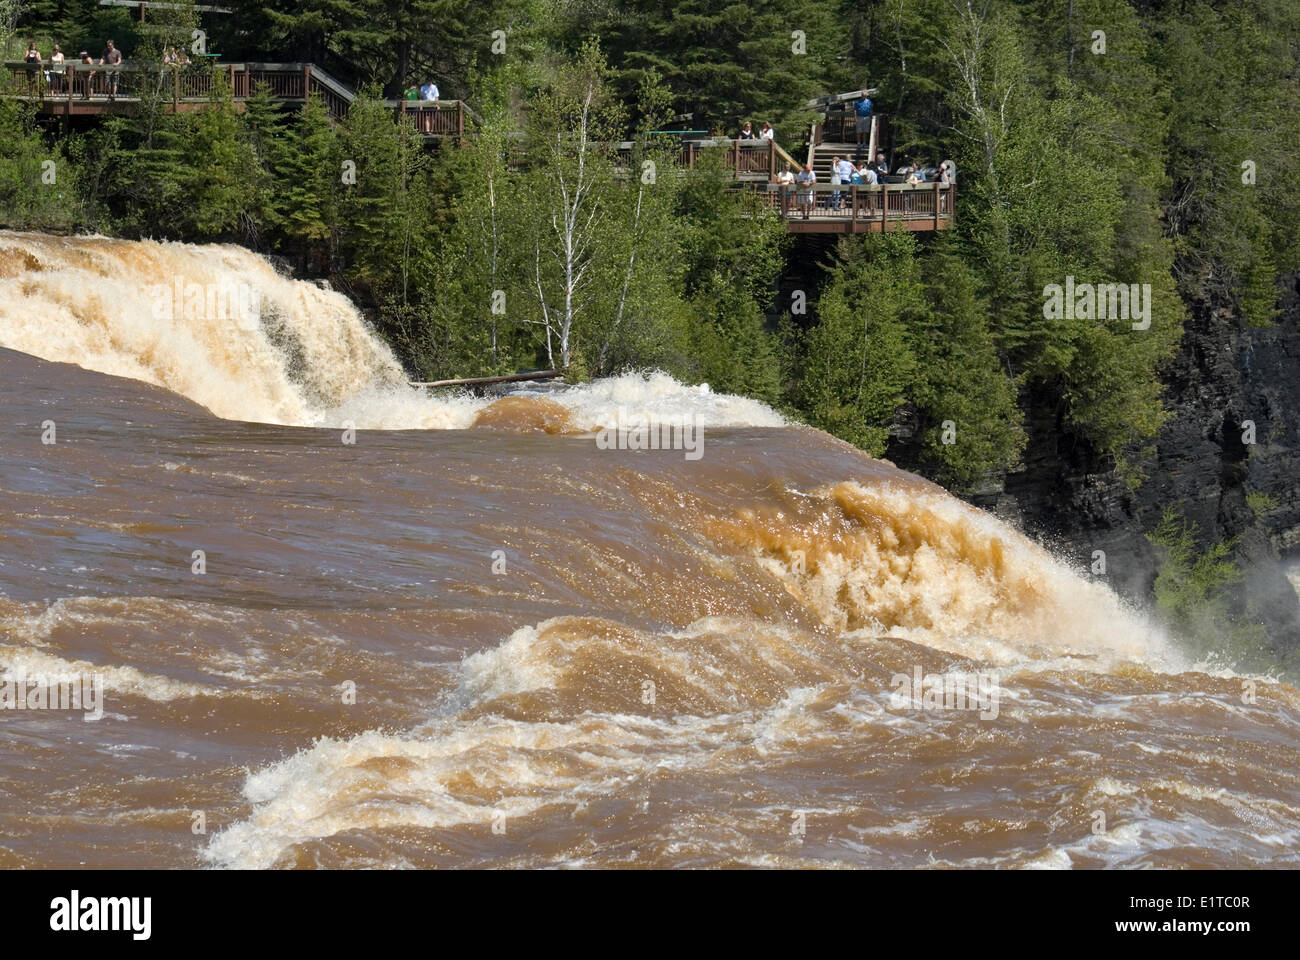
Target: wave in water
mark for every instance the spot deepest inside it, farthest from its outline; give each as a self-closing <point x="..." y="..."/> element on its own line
<point x="675" y="661"/>
<point x="219" y="326"/>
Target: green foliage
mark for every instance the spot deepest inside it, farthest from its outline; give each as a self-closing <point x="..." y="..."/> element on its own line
<point x="39" y="188"/>
<point x="858" y="362"/>
<point x="960" y="379"/>
<point x="724" y="62"/>
<point x="1192" y="589"/>
<point x="1260" y="503"/>
<point x="731" y="248"/>
<point x="306" y="210"/>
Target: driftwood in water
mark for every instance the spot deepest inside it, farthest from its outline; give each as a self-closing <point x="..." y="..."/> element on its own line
<point x="488" y="381"/>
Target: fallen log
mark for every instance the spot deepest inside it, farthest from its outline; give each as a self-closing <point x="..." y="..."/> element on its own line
<point x="488" y="381"/>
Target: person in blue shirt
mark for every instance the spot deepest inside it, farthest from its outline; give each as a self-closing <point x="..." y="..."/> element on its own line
<point x="862" y="110"/>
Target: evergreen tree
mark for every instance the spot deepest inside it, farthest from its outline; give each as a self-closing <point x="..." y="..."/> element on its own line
<point x="308" y="174"/>
<point x="724" y="62"/>
<point x="858" y="364"/>
<point x="971" y="425"/>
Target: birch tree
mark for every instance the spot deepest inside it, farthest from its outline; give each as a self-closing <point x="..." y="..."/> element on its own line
<point x="573" y="131"/>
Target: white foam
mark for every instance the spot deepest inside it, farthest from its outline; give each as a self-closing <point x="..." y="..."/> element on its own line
<point x="308" y="358"/>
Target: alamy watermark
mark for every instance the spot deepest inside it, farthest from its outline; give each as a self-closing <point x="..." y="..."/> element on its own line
<point x="638" y="431"/>
<point x="239" y="303"/>
<point x="1102" y="301"/>
<point x="77" y="692"/>
<point x="946" y="691"/>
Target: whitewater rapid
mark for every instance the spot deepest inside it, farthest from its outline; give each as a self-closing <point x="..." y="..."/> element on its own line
<point x="516" y="647"/>
<point x="219" y="325"/>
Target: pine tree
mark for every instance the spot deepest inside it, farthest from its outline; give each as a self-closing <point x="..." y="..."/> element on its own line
<point x="307" y="174"/>
<point x="858" y="365"/>
<point x="725" y="62"/>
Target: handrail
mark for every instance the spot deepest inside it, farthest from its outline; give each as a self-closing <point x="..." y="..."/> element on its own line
<point x="780" y="152"/>
<point x="333" y="85"/>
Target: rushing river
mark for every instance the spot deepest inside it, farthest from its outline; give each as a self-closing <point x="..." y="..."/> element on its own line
<point x="337" y="622"/>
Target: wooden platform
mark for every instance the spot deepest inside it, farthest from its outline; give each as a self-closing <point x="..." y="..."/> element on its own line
<point x="863" y="209"/>
<point x="81" y="90"/>
<point x="94" y="90"/>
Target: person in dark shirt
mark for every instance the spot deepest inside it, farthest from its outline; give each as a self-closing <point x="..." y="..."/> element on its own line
<point x="112" y="57"/>
<point x="84" y="57"/>
<point x="33" y="59"/>
<point x="747" y="132"/>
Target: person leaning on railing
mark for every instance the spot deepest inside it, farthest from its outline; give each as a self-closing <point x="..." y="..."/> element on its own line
<point x="87" y="76"/>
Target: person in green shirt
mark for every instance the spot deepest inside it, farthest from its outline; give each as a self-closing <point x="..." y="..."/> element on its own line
<point x="412" y="93"/>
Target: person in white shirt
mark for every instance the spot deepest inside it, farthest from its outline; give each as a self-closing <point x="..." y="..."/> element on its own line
<point x="56" y="69"/>
<point x="806" y="179"/>
<point x="845" y="172"/>
<point x="766" y="132"/>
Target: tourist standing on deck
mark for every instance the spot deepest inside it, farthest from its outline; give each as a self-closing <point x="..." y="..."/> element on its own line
<point x="862" y="114"/>
<point x="56" y="68"/>
<point x="806" y="179"/>
<point x="835" y="182"/>
<point x="33" y="59"/>
<point x="84" y="57"/>
<point x="112" y="57"/>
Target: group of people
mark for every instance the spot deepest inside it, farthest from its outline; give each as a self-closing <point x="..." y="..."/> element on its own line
<point x="765" y="132"/>
<point x="111" y="57"/>
<point x="426" y="91"/>
<point x="870" y="174"/>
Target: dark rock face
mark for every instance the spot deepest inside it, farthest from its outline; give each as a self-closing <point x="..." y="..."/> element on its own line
<point x="1224" y="375"/>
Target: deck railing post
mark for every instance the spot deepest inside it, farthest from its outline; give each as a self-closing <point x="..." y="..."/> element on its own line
<point x="936" y="204"/>
<point x="306" y="81"/>
<point x="176" y="89"/>
<point x="853" y="204"/>
<point x="460" y="119"/>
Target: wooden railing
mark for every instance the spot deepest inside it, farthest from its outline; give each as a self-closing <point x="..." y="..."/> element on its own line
<point x="924" y="206"/>
<point x="433" y="118"/>
<point x="756" y="160"/>
<point x="78" y="88"/>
